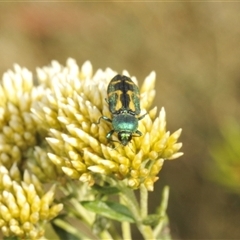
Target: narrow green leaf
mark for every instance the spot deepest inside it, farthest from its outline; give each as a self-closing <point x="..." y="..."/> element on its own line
<point x="65" y="230"/>
<point x="63" y="234"/>
<point x="110" y="210"/>
<point x="11" y="238"/>
<point x="105" y="189"/>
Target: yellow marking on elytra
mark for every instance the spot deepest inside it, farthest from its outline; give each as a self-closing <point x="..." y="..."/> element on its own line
<point x="118" y="92"/>
<point x="132" y="106"/>
<point x="130" y="82"/>
<point x="115" y="82"/>
<point x="131" y="103"/>
<point x="120" y="80"/>
<point x="118" y="105"/>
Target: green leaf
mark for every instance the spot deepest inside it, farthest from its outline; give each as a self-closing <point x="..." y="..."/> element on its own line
<point x="11" y="238"/>
<point x="65" y="230"/>
<point x="63" y="234"/>
<point x="110" y="210"/>
<point x="106" y="190"/>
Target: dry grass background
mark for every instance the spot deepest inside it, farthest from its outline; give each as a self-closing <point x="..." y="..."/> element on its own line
<point x="194" y="48"/>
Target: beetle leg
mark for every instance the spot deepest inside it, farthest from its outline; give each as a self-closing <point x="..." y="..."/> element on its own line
<point x="105" y="118"/>
<point x="139" y="133"/>
<point x="108" y="136"/>
<point x="141" y="117"/>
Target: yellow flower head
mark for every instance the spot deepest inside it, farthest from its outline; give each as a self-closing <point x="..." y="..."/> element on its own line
<point x="21" y="140"/>
<point x="24" y="208"/>
<point x="73" y="102"/>
<point x="17" y="126"/>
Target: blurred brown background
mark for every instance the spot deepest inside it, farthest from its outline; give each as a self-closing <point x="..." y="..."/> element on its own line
<point x="194" y="49"/>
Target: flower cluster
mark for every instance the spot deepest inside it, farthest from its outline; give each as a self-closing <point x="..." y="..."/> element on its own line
<point x="24" y="207"/>
<point x="18" y="129"/>
<point x="20" y="134"/>
<point x="23" y="204"/>
<point x="70" y="111"/>
<point x="50" y="132"/>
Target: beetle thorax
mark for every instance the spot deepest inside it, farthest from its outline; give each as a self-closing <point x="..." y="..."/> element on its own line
<point x="125" y="122"/>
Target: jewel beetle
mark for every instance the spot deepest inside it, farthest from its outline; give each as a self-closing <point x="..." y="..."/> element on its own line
<point x="124" y="104"/>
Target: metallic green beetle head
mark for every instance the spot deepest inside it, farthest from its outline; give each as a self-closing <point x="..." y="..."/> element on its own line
<point x="124" y="137"/>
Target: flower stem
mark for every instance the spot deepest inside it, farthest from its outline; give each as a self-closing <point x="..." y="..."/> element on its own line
<point x="130" y="200"/>
<point x="106" y="235"/>
<point x="128" y="197"/>
<point x="143" y="201"/>
<point x="162" y="211"/>
<point x="126" y="229"/>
